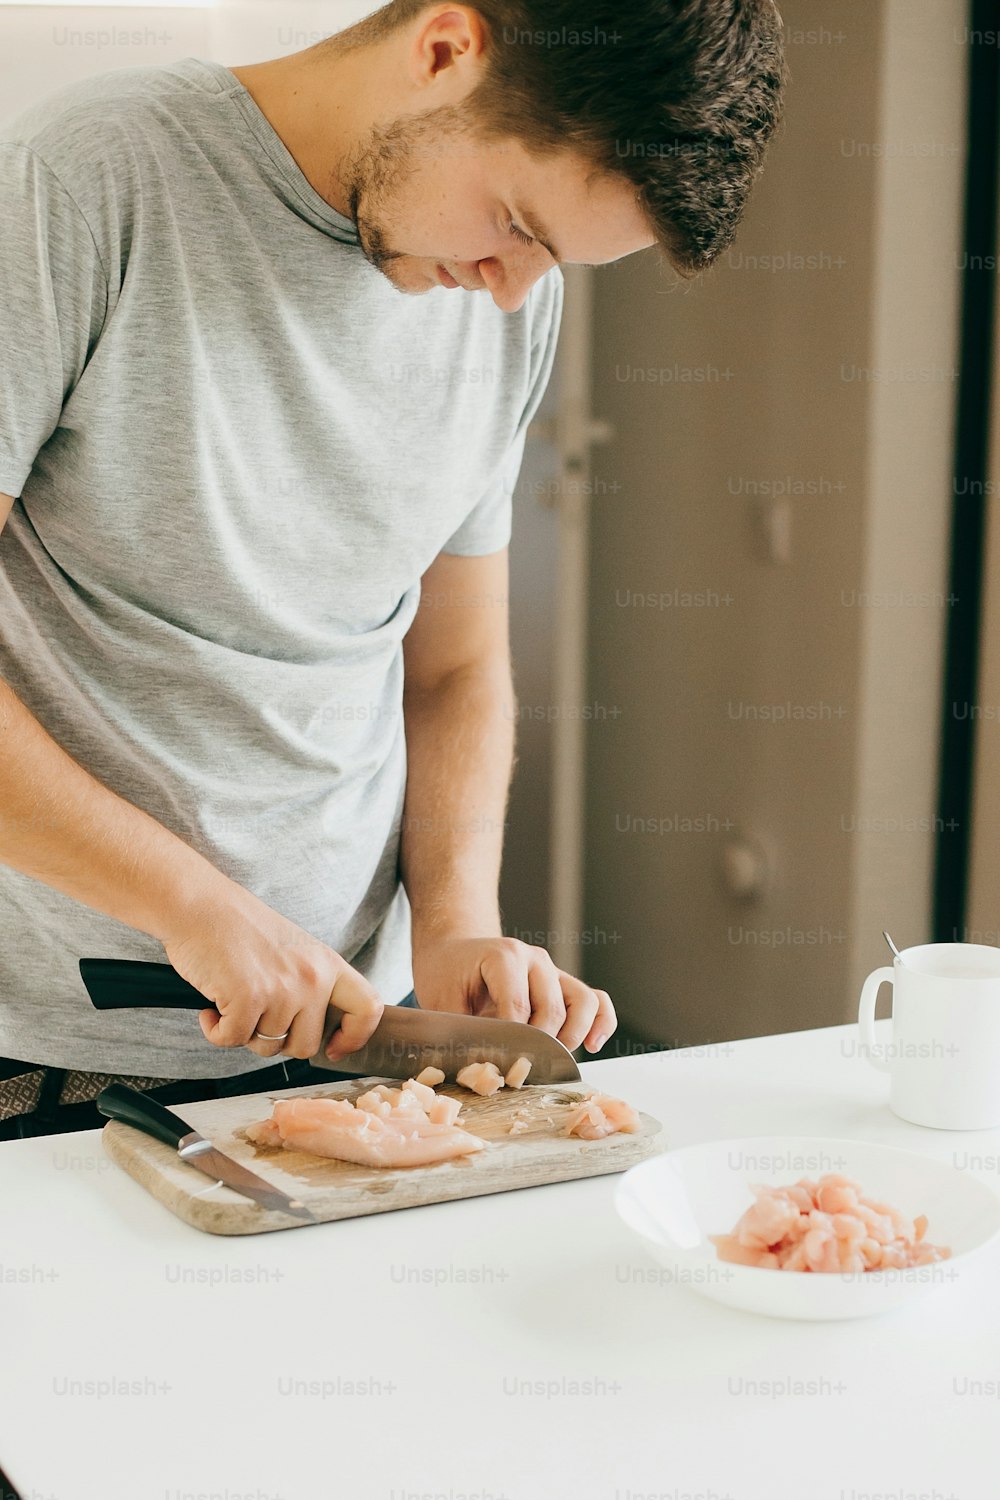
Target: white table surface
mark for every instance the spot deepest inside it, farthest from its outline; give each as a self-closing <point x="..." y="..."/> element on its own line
<point x="518" y="1347"/>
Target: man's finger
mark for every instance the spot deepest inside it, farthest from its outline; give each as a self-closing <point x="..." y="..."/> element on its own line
<point x="233" y="1028"/>
<point x="582" y="1006"/>
<point x="505" y="974"/>
<point x="548" y="1009"/>
<point x="305" y="1037"/>
<point x="604" y="1025"/>
<point x="362" y="1010"/>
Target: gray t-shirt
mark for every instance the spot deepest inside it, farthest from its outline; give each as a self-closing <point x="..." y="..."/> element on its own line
<point x="237" y="448"/>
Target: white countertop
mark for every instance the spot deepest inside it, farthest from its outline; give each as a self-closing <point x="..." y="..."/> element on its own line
<point x="518" y="1347"/>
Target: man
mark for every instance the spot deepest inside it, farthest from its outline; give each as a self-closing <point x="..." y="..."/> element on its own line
<point x="255" y="688"/>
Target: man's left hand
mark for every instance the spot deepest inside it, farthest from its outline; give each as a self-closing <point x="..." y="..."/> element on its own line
<point x="511" y="981"/>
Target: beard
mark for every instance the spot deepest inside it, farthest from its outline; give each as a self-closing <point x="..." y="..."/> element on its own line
<point x="378" y="173"/>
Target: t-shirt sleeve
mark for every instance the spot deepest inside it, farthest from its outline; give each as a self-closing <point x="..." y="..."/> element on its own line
<point x="487" y="528"/>
<point x="53" y="302"/>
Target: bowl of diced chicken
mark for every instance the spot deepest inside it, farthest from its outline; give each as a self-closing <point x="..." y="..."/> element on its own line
<point x="809" y="1227"/>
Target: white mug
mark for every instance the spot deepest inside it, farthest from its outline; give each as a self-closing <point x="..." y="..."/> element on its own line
<point x="944" y="1054"/>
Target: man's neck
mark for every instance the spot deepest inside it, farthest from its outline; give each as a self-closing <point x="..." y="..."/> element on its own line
<point x="315" y="102"/>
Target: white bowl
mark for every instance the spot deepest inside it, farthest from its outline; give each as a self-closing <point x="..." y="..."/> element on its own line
<point x="676" y="1200"/>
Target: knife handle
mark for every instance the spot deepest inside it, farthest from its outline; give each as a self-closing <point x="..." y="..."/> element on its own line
<point x="119" y="1102"/>
<point x="122" y="984"/>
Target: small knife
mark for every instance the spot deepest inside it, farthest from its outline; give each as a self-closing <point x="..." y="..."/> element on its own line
<point x="119" y="1102"/>
<point x="403" y="1043"/>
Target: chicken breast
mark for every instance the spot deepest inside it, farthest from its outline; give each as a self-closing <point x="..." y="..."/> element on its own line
<point x="335" y="1128"/>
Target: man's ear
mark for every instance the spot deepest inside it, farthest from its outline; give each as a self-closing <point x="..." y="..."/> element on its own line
<point x="445" y="39"/>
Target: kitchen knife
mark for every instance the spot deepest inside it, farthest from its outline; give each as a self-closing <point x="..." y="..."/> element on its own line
<point x="118" y="1102"/>
<point x="403" y="1043"/>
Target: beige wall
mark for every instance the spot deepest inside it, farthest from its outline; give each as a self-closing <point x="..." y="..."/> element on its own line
<point x="755" y="380"/>
<point x="53" y="45"/>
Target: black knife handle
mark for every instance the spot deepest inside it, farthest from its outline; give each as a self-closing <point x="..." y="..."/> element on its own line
<point x="123" y="984"/>
<point x="119" y="1102"/>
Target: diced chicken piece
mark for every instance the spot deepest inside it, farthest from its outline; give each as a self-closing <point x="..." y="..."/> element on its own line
<point x="826" y="1226"/>
<point x="622" y="1116"/>
<point x="264" y="1133"/>
<point x="768" y="1221"/>
<point x="795" y="1259"/>
<point x="925" y="1255"/>
<point x="902" y="1227"/>
<point x="589" y="1123"/>
<point x="482" y="1078"/>
<point x="820" y="1246"/>
<point x="430" y="1076"/>
<point x="444" y="1110"/>
<point x="800" y="1195"/>
<point x="382" y="1093"/>
<point x="421" y="1091"/>
<point x="407" y="1106"/>
<point x="879" y="1226"/>
<point x="600" y="1116"/>
<point x="836" y="1195"/>
<point x="729" y="1249"/>
<point x="335" y="1128"/>
<point x="849" y="1229"/>
<point x="374" y="1103"/>
<point x="517" y="1073"/>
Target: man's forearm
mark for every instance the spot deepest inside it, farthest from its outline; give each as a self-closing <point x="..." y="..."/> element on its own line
<point x="62" y="827"/>
<point x="460" y="751"/>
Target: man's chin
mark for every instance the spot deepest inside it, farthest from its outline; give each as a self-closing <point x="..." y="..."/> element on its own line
<point x="409" y="279"/>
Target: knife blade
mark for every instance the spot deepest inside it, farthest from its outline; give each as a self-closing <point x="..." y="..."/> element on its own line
<point x="406" y="1041"/>
<point x="403" y="1043"/>
<point x="119" y="1102"/>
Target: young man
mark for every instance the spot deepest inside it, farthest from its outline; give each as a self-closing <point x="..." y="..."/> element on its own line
<point x="255" y="688"/>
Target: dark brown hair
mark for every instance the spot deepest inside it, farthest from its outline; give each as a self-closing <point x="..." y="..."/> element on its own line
<point x="679" y="97"/>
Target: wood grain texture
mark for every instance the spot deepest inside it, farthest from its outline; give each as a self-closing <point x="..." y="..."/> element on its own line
<point x="340" y="1190"/>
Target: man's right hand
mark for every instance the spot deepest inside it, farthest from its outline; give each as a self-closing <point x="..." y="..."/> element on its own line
<point x="264" y="974"/>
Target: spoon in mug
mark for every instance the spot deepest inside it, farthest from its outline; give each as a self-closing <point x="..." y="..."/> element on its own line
<point x="892" y="945"/>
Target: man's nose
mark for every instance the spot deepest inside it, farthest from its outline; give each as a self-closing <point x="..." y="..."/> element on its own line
<point x="509" y="283"/>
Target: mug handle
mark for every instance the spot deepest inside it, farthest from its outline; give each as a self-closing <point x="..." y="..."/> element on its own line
<point x="866" y="1014"/>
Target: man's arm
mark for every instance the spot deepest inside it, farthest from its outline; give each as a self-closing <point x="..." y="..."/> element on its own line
<point x="460" y="714"/>
<point x="64" y="828"/>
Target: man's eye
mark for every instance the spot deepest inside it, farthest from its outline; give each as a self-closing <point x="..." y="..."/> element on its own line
<point x="519" y="234"/>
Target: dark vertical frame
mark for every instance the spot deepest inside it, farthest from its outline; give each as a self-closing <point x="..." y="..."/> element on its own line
<point x="975" y="385"/>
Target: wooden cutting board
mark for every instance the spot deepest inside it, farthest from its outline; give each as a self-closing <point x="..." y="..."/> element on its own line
<point x="341" y="1190"/>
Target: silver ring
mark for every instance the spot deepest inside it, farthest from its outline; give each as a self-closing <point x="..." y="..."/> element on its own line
<point x="262" y="1036"/>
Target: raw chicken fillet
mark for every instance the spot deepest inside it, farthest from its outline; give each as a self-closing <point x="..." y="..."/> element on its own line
<point x="825" y="1226"/>
<point x="379" y="1131"/>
